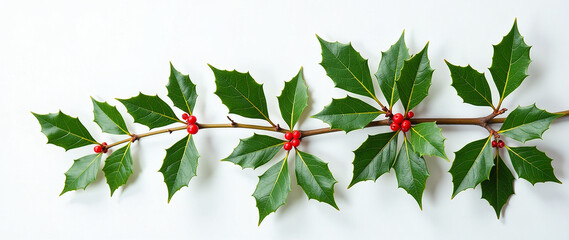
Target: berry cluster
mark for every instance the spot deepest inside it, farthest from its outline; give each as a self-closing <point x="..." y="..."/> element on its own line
<point x="498" y="143"/>
<point x="293" y="138"/>
<point x="191" y="120"/>
<point x="400" y="122"/>
<point x="101" y="148"/>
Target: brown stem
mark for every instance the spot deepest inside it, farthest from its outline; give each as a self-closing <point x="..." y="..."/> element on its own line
<point x="481" y="121"/>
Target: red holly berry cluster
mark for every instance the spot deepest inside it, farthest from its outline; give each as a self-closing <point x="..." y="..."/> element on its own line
<point x="293" y="138"/>
<point x="400" y="122"/>
<point x="101" y="148"/>
<point x="498" y="143"/>
<point x="191" y="120"/>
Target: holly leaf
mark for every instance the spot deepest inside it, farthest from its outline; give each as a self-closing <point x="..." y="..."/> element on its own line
<point x="472" y="165"/>
<point x="499" y="187"/>
<point x="415" y="80"/>
<point x="241" y="94"/>
<point x="348" y="114"/>
<point x="510" y="62"/>
<point x="181" y="90"/>
<point x="427" y="139"/>
<point x="470" y="85"/>
<point x="390" y="68"/>
<point x="315" y="178"/>
<point x="82" y="172"/>
<point x="527" y="123"/>
<point x="347" y="68"/>
<point x="180" y="165"/>
<point x="255" y="151"/>
<point x="532" y="164"/>
<point x="272" y="189"/>
<point x="150" y="111"/>
<point x="293" y="99"/>
<point x="109" y="118"/>
<point x="411" y="171"/>
<point x="374" y="157"/>
<point x="64" y="131"/>
<point x="118" y="167"/>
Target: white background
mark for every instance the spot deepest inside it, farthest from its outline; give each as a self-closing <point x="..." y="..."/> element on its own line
<point x="55" y="54"/>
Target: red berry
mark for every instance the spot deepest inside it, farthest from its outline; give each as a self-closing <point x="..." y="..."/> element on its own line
<point x="394" y="126"/>
<point x="105" y="150"/>
<point x="296" y="134"/>
<point x="494" y="143"/>
<point x="185" y="116"/>
<point x="193" y="129"/>
<point x="192" y="119"/>
<point x="104" y="144"/>
<point x="501" y="144"/>
<point x="288" y="136"/>
<point x="405" y="126"/>
<point x="410" y="114"/>
<point x="98" y="149"/>
<point x="398" y="118"/>
<point x="287" y="146"/>
<point x="295" y="142"/>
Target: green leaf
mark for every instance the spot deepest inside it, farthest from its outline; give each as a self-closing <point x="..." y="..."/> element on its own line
<point x="118" y="167"/>
<point x="390" y="69"/>
<point x="532" y="164"/>
<point x="348" y="114"/>
<point x="315" y="178"/>
<point x="272" y="189"/>
<point x="510" y="62"/>
<point x="150" y="111"/>
<point x="472" y="165"/>
<point x="82" y="172"/>
<point x="427" y="139"/>
<point x="180" y="165"/>
<point x="499" y="187"/>
<point x="181" y="90"/>
<point x="241" y="94"/>
<point x="293" y="99"/>
<point x="415" y="80"/>
<point x="411" y="171"/>
<point x="527" y="123"/>
<point x="374" y="157"/>
<point x="255" y="151"/>
<point x="346" y="67"/>
<point x="470" y="85"/>
<point x="64" y="131"/>
<point x="109" y="118"/>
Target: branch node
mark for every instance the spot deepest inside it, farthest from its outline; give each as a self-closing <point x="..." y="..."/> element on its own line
<point x="233" y="123"/>
<point x="134" y="137"/>
<point x="278" y="128"/>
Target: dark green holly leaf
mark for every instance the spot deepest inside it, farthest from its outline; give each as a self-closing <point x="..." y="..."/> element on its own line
<point x="293" y="99"/>
<point x="180" y="165"/>
<point x="411" y="171"/>
<point x="390" y="69"/>
<point x="470" y="85"/>
<point x="415" y="80"/>
<point x="82" y="172"/>
<point x="241" y="94"/>
<point x="374" y="157"/>
<point x="499" y="187"/>
<point x="348" y="114"/>
<point x="181" y="90"/>
<point x="109" y="118"/>
<point x="150" y="111"/>
<point x="346" y="67"/>
<point x="64" y="131"/>
<point x="532" y="164"/>
<point x="255" y="151"/>
<point x="315" y="178"/>
<point x="118" y="167"/>
<point x="510" y="62"/>
<point x="472" y="165"/>
<point x="527" y="123"/>
<point x="427" y="139"/>
<point x="272" y="189"/>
